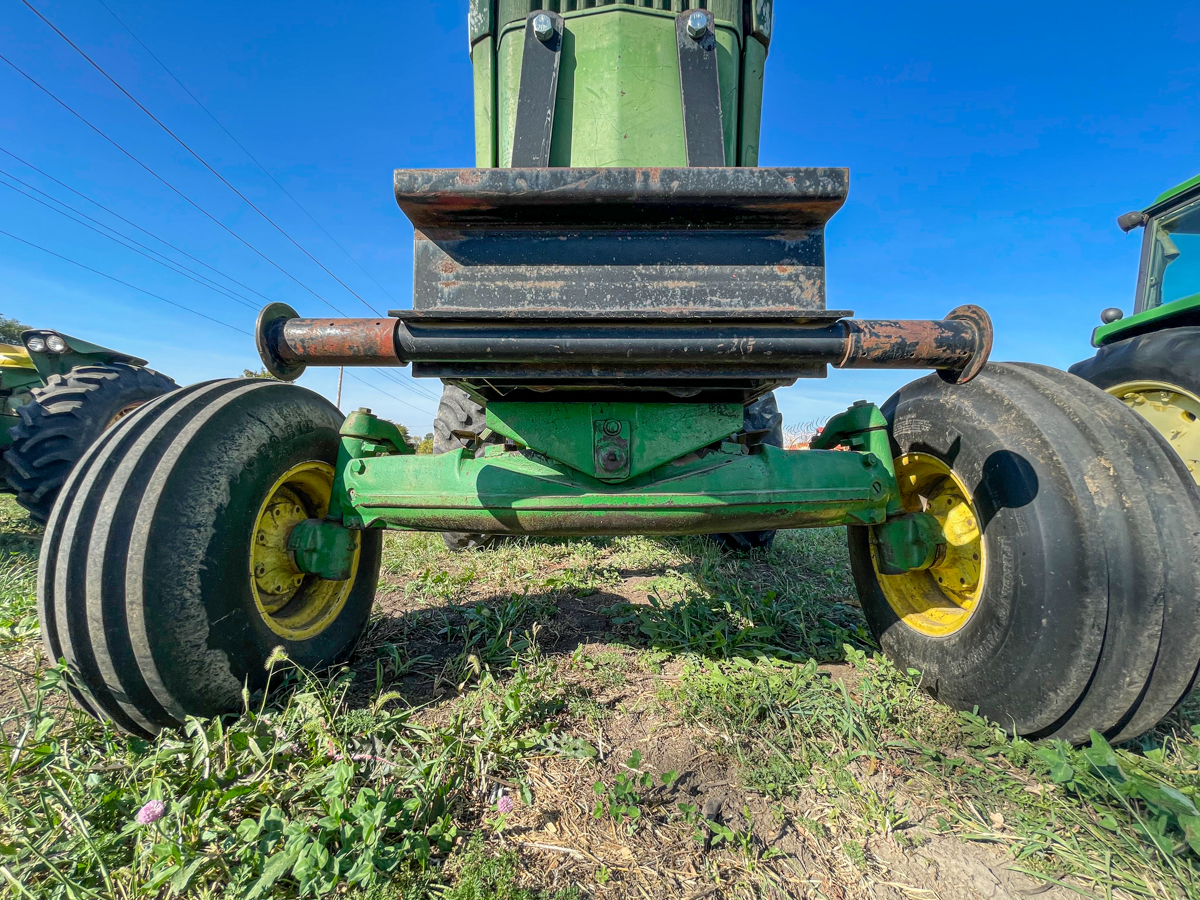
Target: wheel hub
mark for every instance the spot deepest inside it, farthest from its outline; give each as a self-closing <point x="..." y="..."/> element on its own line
<point x="939" y="600"/>
<point x="1174" y="413"/>
<point x="294" y="605"/>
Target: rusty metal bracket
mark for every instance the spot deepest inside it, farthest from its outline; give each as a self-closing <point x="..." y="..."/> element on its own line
<point x="703" y="126"/>
<point x="538" y="90"/>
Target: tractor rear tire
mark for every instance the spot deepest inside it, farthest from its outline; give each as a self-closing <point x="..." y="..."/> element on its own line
<point x="761" y="417"/>
<point x="458" y="415"/>
<point x="1156" y="375"/>
<point x="1078" y="610"/>
<point x="64" y="419"/>
<point x="152" y="584"/>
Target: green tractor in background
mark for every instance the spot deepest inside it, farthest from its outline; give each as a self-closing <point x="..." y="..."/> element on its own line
<point x="59" y="393"/>
<point x="1151" y="360"/>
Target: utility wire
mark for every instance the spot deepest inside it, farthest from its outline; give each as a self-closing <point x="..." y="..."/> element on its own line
<point x="228" y="134"/>
<point x="410" y="385"/>
<point x="381" y="390"/>
<point x="172" y="187"/>
<point x="117" y="215"/>
<point x="122" y="239"/>
<point x="126" y="283"/>
<point x="196" y="155"/>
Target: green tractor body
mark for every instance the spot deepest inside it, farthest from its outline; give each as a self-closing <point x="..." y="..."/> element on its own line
<point x="59" y="393"/>
<point x="610" y="299"/>
<point x="1151" y="359"/>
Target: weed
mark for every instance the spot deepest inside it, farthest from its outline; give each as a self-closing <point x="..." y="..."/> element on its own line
<point x="623" y="799"/>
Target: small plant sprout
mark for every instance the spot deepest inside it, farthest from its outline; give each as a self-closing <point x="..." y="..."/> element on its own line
<point x="623" y="800"/>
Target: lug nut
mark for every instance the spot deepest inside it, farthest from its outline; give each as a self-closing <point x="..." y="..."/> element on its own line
<point x="697" y="25"/>
<point x="543" y="27"/>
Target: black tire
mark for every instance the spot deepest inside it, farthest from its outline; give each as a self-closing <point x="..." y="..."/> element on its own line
<point x="144" y="581"/>
<point x="458" y="412"/>
<point x="64" y="419"/>
<point x="1086" y="616"/>
<point x="1170" y="358"/>
<point x="762" y="415"/>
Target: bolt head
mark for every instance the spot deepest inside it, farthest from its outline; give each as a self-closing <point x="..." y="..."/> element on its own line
<point x="543" y="27"/>
<point x="697" y="25"/>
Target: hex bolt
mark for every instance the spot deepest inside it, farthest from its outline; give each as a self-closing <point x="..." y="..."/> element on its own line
<point x="697" y="25"/>
<point x="543" y="27"/>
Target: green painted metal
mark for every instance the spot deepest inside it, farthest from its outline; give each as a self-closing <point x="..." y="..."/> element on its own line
<point x="863" y="428"/>
<point x="907" y="542"/>
<point x="614" y="441"/>
<point x="78" y="353"/>
<point x="1184" y="311"/>
<point x="378" y="436"/>
<point x="483" y="62"/>
<point x="324" y="548"/>
<point x="1176" y="191"/>
<point x="618" y="95"/>
<point x="733" y="488"/>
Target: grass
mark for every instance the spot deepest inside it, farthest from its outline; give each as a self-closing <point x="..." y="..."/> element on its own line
<point x="620" y="717"/>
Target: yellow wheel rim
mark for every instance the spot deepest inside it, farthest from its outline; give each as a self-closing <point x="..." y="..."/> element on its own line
<point x="1174" y="413"/>
<point x="939" y="600"/>
<point x="294" y="605"/>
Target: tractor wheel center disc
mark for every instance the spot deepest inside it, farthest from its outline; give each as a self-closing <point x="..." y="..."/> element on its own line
<point x="1174" y="413"/>
<point x="939" y="600"/>
<point x="295" y="606"/>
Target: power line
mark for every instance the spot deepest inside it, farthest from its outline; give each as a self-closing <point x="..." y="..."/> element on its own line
<point x="172" y="187"/>
<point x="412" y="386"/>
<point x="126" y="283"/>
<point x="117" y="215"/>
<point x="196" y="155"/>
<point x="121" y="239"/>
<point x="244" y="150"/>
<point x="381" y="390"/>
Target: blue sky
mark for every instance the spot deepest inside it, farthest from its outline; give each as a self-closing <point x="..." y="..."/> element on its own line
<point x="990" y="151"/>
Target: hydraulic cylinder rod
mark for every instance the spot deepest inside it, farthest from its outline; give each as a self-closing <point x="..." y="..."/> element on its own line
<point x="956" y="346"/>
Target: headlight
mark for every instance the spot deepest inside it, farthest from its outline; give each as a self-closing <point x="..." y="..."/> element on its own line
<point x="56" y="344"/>
<point x="36" y="344"/>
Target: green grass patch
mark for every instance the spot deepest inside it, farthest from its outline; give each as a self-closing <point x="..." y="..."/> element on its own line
<point x="1113" y="818"/>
